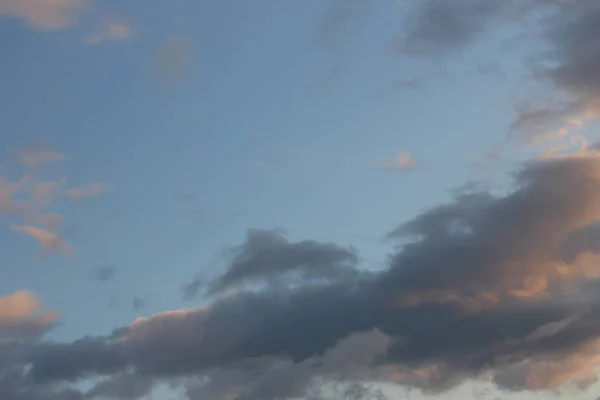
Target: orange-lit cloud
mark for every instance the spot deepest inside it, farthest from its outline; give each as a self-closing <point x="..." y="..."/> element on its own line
<point x="404" y="161"/>
<point x="21" y="315"/>
<point x="43" y="14"/>
<point x="50" y="242"/>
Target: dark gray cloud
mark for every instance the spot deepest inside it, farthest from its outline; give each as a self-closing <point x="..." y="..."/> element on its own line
<point x="438" y="27"/>
<point x="138" y="303"/>
<point x="190" y="290"/>
<point x="121" y="387"/>
<point x="481" y="284"/>
<point x="566" y="65"/>
<point x="104" y="273"/>
<point x="268" y="255"/>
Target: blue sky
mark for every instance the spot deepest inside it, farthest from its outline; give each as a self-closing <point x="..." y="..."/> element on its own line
<point x="165" y="131"/>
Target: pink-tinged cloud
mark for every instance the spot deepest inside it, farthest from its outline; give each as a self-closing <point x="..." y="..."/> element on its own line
<point x="50" y="220"/>
<point x="50" y="242"/>
<point x="21" y="316"/>
<point x="44" y="192"/>
<point x="404" y="161"/>
<point x="8" y="190"/>
<point x="92" y="190"/>
<point x="36" y="154"/>
<point x="43" y="14"/>
<point x="112" y="30"/>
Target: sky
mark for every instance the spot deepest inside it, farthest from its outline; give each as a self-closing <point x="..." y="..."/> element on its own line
<point x="307" y="200"/>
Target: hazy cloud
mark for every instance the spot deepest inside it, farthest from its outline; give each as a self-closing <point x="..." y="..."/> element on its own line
<point x="341" y="21"/>
<point x="404" y="161"/>
<point x="50" y="242"/>
<point x="173" y="59"/>
<point x="8" y="203"/>
<point x="51" y="220"/>
<point x="37" y="154"/>
<point x="43" y="14"/>
<point x="190" y="290"/>
<point x="112" y="30"/>
<point x="104" y="273"/>
<point x="91" y="190"/>
<point x="138" y="303"/>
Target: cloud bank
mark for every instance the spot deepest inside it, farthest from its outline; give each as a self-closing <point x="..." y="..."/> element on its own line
<point x="484" y="285"/>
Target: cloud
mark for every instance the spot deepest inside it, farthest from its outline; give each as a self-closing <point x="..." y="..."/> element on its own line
<point x="37" y="154"/>
<point x="50" y="242"/>
<point x="104" y="273"/>
<point x="138" y="303"/>
<point x="8" y="190"/>
<point x="404" y="161"/>
<point x="112" y="30"/>
<point x="565" y="69"/>
<point x="439" y="27"/>
<point x="484" y="284"/>
<point x="91" y="190"/>
<point x="21" y="317"/>
<point x="341" y="20"/>
<point x="190" y="290"/>
<point x="173" y="59"/>
<point x="43" y="14"/>
<point x="51" y="220"/>
<point x="44" y="192"/>
<point x="121" y="387"/>
<point x="267" y="255"/>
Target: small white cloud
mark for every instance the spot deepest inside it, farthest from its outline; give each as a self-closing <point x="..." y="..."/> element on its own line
<point x="50" y="242"/>
<point x="43" y="14"/>
<point x="92" y="190"/>
<point x="404" y="161"/>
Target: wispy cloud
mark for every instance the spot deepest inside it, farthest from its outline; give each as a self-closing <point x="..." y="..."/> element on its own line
<point x="50" y="242"/>
<point x="112" y="30"/>
<point x="91" y="190"/>
<point x="37" y="154"/>
<point x="57" y="15"/>
<point x="103" y="273"/>
<point x="404" y="162"/>
<point x="8" y="190"/>
<point x="43" y="14"/>
<point x="44" y="192"/>
<point x="50" y="220"/>
<point x="173" y="59"/>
